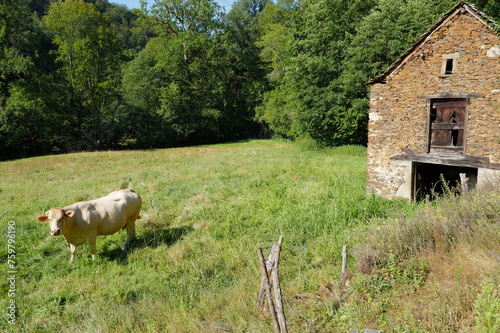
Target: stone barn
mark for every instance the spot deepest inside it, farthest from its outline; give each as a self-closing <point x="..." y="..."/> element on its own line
<point x="435" y="112"/>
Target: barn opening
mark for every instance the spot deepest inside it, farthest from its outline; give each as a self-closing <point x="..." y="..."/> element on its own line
<point x="431" y="180"/>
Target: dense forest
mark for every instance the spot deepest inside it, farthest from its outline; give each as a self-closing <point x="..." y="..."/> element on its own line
<point x="88" y="75"/>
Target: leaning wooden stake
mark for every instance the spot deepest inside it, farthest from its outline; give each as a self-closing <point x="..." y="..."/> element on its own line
<point x="277" y="290"/>
<point x="271" y="261"/>
<point x="267" y="291"/>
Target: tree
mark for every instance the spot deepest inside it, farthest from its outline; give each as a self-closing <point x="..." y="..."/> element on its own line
<point x="245" y="77"/>
<point x="16" y="29"/>
<point x="182" y="50"/>
<point x="207" y="89"/>
<point x="305" y="44"/>
<point x="490" y="7"/>
<point x="91" y="55"/>
<point x="126" y="24"/>
<point x="22" y="116"/>
<point x="328" y="30"/>
<point x="281" y="103"/>
<point x="143" y="81"/>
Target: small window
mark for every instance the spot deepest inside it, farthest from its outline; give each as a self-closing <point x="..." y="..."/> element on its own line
<point x="450" y="62"/>
<point x="449" y="66"/>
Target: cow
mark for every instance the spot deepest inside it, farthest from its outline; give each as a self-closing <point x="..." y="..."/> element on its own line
<point x="84" y="221"/>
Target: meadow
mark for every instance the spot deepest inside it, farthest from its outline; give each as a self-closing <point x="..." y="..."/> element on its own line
<point x="206" y="209"/>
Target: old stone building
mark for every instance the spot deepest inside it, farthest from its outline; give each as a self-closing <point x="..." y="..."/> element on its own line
<point x="435" y="112"/>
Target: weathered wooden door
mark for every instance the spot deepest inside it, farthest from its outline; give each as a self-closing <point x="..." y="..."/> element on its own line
<point x="448" y="126"/>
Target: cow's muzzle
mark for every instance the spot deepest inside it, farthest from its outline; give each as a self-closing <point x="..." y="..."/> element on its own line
<point x="56" y="232"/>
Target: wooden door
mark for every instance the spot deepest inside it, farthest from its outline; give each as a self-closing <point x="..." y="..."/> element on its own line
<point x="448" y="126"/>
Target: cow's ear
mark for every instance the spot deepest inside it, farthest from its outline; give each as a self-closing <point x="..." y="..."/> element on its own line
<point x="69" y="213"/>
<point x="43" y="218"/>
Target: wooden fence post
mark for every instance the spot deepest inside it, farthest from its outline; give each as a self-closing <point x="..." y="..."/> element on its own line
<point x="273" y="257"/>
<point x="270" y="279"/>
<point x="344" y="276"/>
<point x="344" y="259"/>
<point x="277" y="290"/>
<point x="267" y="291"/>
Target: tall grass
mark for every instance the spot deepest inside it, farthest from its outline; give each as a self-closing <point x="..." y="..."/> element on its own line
<point x="470" y="219"/>
<point x="205" y="210"/>
<point x="428" y="269"/>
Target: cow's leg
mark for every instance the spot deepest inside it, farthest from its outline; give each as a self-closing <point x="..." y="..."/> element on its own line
<point x="91" y="240"/>
<point x="72" y="249"/>
<point x="130" y="234"/>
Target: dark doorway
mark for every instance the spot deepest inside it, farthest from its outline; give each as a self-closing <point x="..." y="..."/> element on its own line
<point x="431" y="180"/>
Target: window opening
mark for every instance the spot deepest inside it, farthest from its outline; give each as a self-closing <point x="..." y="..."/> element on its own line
<point x="447" y="126"/>
<point x="454" y="138"/>
<point x="454" y="133"/>
<point x="453" y="119"/>
<point x="449" y="66"/>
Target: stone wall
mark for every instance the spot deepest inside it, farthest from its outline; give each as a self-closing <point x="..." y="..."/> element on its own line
<point x="398" y="117"/>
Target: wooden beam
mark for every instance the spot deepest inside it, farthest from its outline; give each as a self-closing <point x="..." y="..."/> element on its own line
<point x="447" y="159"/>
<point x="446" y="126"/>
<point x="451" y="95"/>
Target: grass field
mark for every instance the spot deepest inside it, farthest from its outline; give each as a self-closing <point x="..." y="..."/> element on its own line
<point x="193" y="267"/>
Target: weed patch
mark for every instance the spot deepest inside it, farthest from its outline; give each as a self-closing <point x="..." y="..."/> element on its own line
<point x="436" y="260"/>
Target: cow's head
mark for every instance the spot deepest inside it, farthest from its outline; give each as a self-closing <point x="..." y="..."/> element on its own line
<point x="56" y="218"/>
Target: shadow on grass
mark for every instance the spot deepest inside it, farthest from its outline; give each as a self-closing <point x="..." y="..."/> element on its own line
<point x="152" y="238"/>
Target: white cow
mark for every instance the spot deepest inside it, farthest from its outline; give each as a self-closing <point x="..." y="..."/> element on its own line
<point x="84" y="221"/>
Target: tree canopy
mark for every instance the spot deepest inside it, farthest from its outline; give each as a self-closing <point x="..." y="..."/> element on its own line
<point x="89" y="74"/>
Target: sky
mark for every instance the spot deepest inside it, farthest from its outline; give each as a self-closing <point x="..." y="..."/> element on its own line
<point x="131" y="4"/>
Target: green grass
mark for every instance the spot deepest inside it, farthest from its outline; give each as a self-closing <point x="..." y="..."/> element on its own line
<point x="194" y="266"/>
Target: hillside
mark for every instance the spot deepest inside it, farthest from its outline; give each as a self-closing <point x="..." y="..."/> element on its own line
<point x="206" y="209"/>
